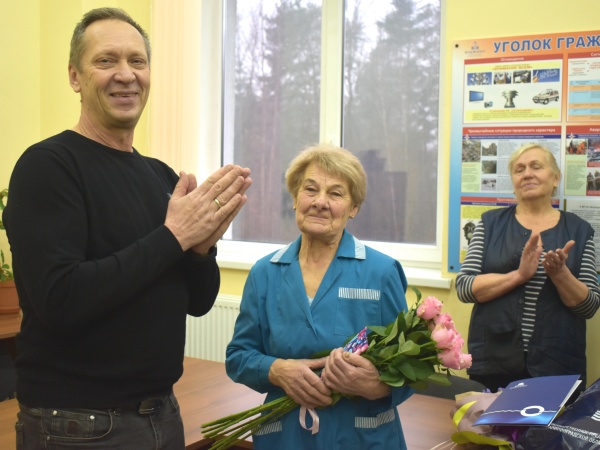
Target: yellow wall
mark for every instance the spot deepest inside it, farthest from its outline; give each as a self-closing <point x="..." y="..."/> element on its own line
<point x="36" y="99"/>
<point x="19" y="84"/>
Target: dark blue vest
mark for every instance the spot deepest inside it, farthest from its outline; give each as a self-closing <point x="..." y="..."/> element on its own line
<point x="557" y="346"/>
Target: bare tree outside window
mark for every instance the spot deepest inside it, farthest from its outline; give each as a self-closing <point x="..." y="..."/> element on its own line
<point x="272" y="82"/>
<point x="391" y="83"/>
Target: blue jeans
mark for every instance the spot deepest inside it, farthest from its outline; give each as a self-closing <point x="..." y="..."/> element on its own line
<point x="84" y="429"/>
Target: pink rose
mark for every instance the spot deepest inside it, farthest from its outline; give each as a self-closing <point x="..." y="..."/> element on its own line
<point x="467" y="360"/>
<point x="454" y="358"/>
<point x="444" y="337"/>
<point x="445" y="320"/>
<point x="429" y="308"/>
<point x="459" y="341"/>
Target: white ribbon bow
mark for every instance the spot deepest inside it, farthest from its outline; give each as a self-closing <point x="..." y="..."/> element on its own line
<point x="315" y="417"/>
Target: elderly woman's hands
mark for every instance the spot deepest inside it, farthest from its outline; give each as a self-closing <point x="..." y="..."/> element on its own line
<point x="571" y="290"/>
<point x="530" y="258"/>
<point x="352" y="374"/>
<point x="299" y="381"/>
<point x="554" y="261"/>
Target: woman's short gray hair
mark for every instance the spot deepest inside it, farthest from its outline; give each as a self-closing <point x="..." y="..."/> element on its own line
<point x="334" y="160"/>
<point x="549" y="156"/>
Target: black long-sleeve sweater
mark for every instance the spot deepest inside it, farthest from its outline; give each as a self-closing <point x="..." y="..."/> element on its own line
<point x="104" y="286"/>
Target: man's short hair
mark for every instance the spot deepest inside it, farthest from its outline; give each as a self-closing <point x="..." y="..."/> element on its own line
<point x="94" y="15"/>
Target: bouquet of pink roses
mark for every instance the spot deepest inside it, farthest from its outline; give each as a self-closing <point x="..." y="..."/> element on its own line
<point x="420" y="346"/>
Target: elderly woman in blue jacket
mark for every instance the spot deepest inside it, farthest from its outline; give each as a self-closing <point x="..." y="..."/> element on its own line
<point x="311" y="296"/>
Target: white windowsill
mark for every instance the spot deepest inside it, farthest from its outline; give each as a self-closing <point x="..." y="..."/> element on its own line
<point x="230" y="258"/>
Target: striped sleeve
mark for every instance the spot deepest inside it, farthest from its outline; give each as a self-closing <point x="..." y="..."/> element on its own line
<point x="588" y="276"/>
<point x="471" y="267"/>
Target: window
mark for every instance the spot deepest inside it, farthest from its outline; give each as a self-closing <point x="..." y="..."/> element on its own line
<point x="360" y="73"/>
<point x="274" y="72"/>
<point x="391" y="97"/>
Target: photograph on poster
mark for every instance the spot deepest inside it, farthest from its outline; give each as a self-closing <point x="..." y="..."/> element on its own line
<point x="489" y="148"/>
<point x="582" y="161"/>
<point x="488" y="184"/>
<point x="522" y="76"/>
<point x="577" y="147"/>
<point x="488" y="167"/>
<point x="502" y="78"/>
<point x="471" y="150"/>
<point x="525" y="91"/>
<point x="479" y="78"/>
<point x="470" y="214"/>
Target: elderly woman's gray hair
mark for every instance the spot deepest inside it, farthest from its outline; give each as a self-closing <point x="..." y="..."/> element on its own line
<point x="334" y="160"/>
<point x="549" y="156"/>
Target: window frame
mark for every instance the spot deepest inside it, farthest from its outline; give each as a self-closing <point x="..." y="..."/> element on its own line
<point x="204" y="105"/>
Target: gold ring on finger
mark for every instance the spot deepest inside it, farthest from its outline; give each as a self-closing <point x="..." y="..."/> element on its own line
<point x="218" y="203"/>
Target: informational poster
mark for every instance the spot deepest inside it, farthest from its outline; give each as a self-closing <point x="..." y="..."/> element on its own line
<point x="588" y="209"/>
<point x="512" y="91"/>
<point x="583" y="87"/>
<point x="486" y="152"/>
<point x="527" y="90"/>
<point x="471" y="209"/>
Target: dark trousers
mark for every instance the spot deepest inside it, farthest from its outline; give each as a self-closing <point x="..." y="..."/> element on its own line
<point x="86" y="429"/>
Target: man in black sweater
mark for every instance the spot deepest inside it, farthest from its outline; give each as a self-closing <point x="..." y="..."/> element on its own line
<point x="111" y="250"/>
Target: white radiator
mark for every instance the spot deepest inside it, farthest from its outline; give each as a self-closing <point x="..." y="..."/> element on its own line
<point x="207" y="336"/>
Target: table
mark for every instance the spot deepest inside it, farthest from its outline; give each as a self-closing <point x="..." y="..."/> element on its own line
<point x="206" y="393"/>
<point x="10" y="324"/>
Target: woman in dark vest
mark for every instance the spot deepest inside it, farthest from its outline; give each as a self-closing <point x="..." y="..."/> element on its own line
<point x="530" y="272"/>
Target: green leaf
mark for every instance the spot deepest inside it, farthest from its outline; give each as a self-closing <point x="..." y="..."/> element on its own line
<point x="392" y="380"/>
<point x="415" y="321"/>
<point x="381" y="331"/>
<point x="407" y="319"/>
<point x="388" y="351"/>
<point x="417" y="293"/>
<point x="408" y="370"/>
<point x="398" y="359"/>
<point x="439" y="378"/>
<point x="399" y="323"/>
<point x="422" y="369"/>
<point x="420" y="336"/>
<point x="391" y="369"/>
<point x="401" y="339"/>
<point x="392" y="334"/>
<point x="409" y="348"/>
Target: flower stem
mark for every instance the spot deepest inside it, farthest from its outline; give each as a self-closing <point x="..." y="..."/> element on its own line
<point x="247" y="413"/>
<point x="228" y="430"/>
